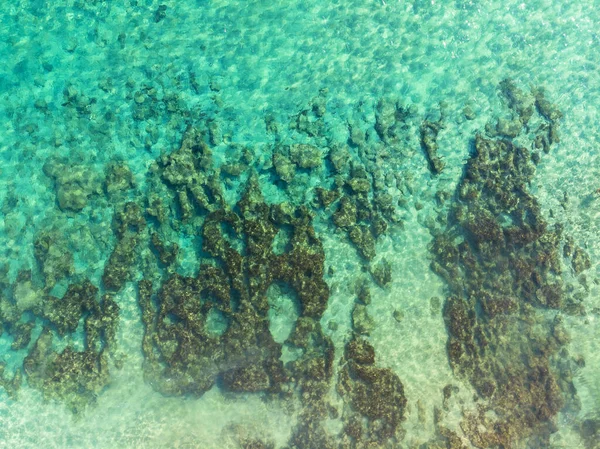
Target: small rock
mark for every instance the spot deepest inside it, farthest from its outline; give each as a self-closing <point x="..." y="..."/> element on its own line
<point x="469" y="114"/>
<point x="361" y="320"/>
<point x="398" y="315"/>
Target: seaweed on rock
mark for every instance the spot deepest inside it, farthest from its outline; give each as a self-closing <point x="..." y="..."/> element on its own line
<point x="212" y="328"/>
<point x="72" y="376"/>
<point x="74" y="184"/>
<point x="52" y="253"/>
<point x="75" y="377"/>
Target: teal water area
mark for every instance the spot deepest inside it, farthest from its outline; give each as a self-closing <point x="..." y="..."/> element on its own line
<point x="299" y="224"/>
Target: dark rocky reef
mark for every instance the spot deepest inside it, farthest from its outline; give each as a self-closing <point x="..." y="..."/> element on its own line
<point x="429" y="133"/>
<point x="502" y="262"/>
<point x="74" y="184"/>
<point x="128" y="224"/>
<point x="182" y="355"/>
<point x="213" y="328"/>
<point x="375" y="397"/>
<point x="72" y="376"/>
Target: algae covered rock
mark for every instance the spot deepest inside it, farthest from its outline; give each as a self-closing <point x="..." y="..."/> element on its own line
<point x="74" y="377"/>
<point x="361" y="351"/>
<point x="363" y="238"/>
<point x="21" y="333"/>
<point x="549" y="110"/>
<point x="53" y="256"/>
<point x="390" y="119"/>
<point x="362" y="322"/>
<point x="184" y="357"/>
<point x="501" y="261"/>
<point x="382" y="273"/>
<point x="64" y="313"/>
<point x="359" y="185"/>
<point x="283" y="167"/>
<point x="519" y="101"/>
<point x="167" y="254"/>
<point x="250" y="378"/>
<point x="326" y="197"/>
<point x="119" y="178"/>
<point x="74" y="184"/>
<point x="305" y="156"/>
<point x="429" y="135"/>
<point x="509" y="127"/>
<point x="339" y="157"/>
<point x="580" y="260"/>
<point x="128" y="224"/>
<point x="346" y="214"/>
<point x="374" y="394"/>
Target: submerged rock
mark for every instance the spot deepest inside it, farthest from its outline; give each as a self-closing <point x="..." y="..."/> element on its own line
<point x="128" y="224"/>
<point x="251" y="378"/>
<point x="284" y="167"/>
<point x="362" y="322"/>
<point x="305" y="156"/>
<point x="382" y="273"/>
<point x="75" y="377"/>
<point x="374" y="394"/>
<point x="118" y="178"/>
<point x="429" y="134"/>
<point x="74" y="184"/>
<point x="501" y="261"/>
<point x="53" y="256"/>
<point x="346" y="214"/>
<point x="244" y="356"/>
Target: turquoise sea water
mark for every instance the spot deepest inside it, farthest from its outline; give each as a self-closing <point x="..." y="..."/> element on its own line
<point x="299" y="224"/>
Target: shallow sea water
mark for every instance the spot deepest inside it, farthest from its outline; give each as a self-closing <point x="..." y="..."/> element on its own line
<point x="89" y="83"/>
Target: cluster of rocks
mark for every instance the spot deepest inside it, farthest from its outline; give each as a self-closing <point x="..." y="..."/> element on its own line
<point x="502" y="262"/>
<point x="375" y="396"/>
<point x="501" y="259"/>
<point x="73" y="376"/>
<point x="187" y="358"/>
<point x="186" y="193"/>
<point x="238" y="264"/>
<point x="35" y="318"/>
<point x="355" y="182"/>
<point x="74" y="184"/>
